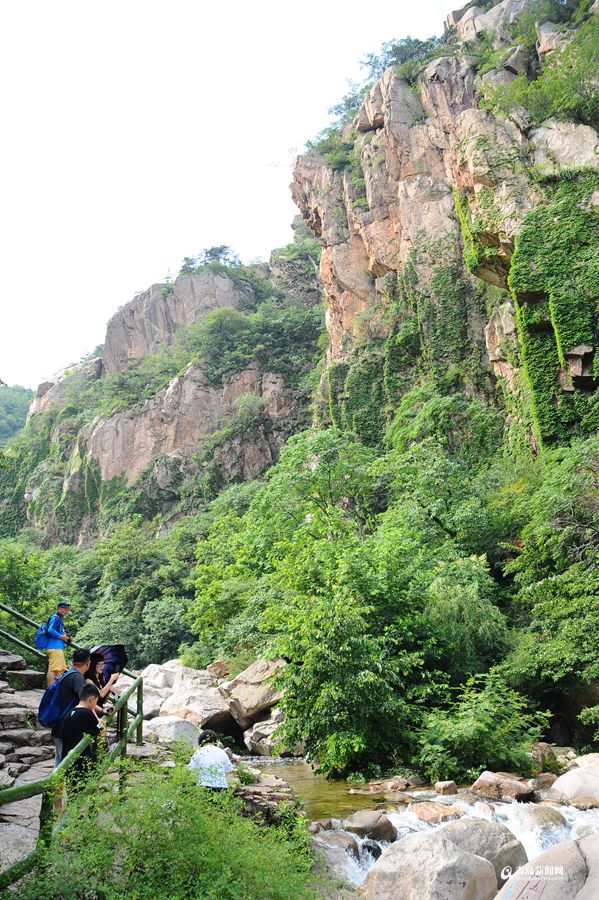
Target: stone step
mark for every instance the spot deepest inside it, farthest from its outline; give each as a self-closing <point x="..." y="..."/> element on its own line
<point x="5" y="688"/>
<point x="6" y="780"/>
<point x="11" y="661"/>
<point x="28" y="737"/>
<point x="30" y="755"/>
<point x="22" y="679"/>
<point x="28" y="699"/>
<point x="15" y="717"/>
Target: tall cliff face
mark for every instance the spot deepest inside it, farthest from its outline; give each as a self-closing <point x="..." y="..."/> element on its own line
<point x="424" y="201"/>
<point x="180" y="424"/>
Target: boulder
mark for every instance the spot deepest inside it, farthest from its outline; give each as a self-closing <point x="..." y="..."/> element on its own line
<point x="541" y="818"/>
<point x="344" y="842"/>
<point x="320" y="825"/>
<point x="433" y="812"/>
<point x="587" y="759"/>
<point x="583" y="781"/>
<point x="371" y="823"/>
<point x="429" y="867"/>
<point x="501" y="786"/>
<point x="220" y="668"/>
<point x="194" y="695"/>
<point x="542" y="753"/>
<point x="446" y="787"/>
<point x="159" y="677"/>
<point x="251" y="692"/>
<point x="584" y="803"/>
<point x="170" y="729"/>
<point x="491" y="840"/>
<point x="567" y="871"/>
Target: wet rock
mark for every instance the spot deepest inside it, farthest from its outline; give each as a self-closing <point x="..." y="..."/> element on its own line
<point x="500" y="786"/>
<point x="446" y="787"/>
<point x="491" y="840"/>
<point x="433" y="812"/>
<point x="429" y="867"/>
<point x="584" y="803"/>
<point x="251" y="692"/>
<point x="567" y="871"/>
<point x="320" y="825"/>
<point x="344" y="842"/>
<point x="415" y="781"/>
<point x="387" y="785"/>
<point x="371" y="823"/>
<point x="372" y="847"/>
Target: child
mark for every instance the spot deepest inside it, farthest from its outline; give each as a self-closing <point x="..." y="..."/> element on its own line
<point x="80" y="721"/>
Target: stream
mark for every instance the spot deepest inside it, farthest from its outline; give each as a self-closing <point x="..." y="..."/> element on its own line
<point x="324" y="799"/>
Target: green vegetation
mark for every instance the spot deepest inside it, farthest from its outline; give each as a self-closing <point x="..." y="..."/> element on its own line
<point x="14" y="403"/>
<point x="565" y="88"/>
<point x="488" y="724"/>
<point x="189" y="843"/>
<point x="553" y="277"/>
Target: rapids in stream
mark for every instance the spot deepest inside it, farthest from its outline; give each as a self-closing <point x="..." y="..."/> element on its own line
<point x="324" y="799"/>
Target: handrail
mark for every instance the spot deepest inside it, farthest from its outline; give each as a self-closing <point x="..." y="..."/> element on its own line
<point x="17" y="615"/>
<point x="46" y="786"/>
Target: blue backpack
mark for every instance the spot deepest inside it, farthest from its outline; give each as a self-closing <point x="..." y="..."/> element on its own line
<point x="41" y="637"/>
<point x="50" y="712"/>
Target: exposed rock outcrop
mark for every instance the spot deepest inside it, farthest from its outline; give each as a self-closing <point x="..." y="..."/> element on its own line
<point x="178" y="419"/>
<point x="153" y="317"/>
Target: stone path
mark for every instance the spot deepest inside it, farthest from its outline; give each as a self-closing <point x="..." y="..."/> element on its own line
<point x="26" y="754"/>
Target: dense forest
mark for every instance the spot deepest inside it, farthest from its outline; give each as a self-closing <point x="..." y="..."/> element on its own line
<point x="423" y="551"/>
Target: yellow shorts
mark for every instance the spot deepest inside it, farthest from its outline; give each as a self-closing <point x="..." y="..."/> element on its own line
<point x="56" y="661"/>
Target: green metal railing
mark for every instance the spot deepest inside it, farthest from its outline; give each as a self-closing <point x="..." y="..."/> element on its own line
<point x="47" y="786"/>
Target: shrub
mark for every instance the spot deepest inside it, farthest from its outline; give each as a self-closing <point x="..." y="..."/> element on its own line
<point x="186" y="843"/>
<point x="567" y="86"/>
<point x="487" y="727"/>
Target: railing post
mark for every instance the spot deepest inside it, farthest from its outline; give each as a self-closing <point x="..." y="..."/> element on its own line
<point x="124" y="711"/>
<point x="44" y="836"/>
<point x="140" y="712"/>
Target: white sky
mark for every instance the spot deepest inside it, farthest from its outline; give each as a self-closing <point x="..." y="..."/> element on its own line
<point x="136" y="132"/>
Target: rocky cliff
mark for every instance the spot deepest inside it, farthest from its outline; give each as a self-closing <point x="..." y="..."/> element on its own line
<point x="425" y="198"/>
<point x="177" y="426"/>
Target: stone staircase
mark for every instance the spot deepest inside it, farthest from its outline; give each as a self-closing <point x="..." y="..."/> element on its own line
<point x="26" y="753"/>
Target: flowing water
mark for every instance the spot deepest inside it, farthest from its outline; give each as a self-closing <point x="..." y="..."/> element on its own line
<point x="324" y="799"/>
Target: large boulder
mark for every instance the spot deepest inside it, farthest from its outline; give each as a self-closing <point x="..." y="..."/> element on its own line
<point x="170" y="730"/>
<point x="567" y="871"/>
<point x="252" y="691"/>
<point x="194" y="695"/>
<point x="371" y="823"/>
<point x="583" y="781"/>
<point x="261" y="737"/>
<point x="429" y="867"/>
<point x="491" y="840"/>
<point x="501" y="786"/>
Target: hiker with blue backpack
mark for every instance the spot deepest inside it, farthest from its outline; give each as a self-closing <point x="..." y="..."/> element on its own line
<point x="62" y="696"/>
<point x="52" y="637"/>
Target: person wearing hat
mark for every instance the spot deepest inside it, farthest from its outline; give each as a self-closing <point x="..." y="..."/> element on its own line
<point x="57" y="638"/>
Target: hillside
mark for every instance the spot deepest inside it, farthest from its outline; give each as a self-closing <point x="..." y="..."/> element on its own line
<point x="404" y="508"/>
<point x="14" y="403"/>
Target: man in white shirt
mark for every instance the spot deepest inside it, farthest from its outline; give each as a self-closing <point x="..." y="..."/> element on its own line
<point x="211" y="763"/>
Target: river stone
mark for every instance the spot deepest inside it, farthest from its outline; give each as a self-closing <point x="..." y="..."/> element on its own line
<point x="251" y="692"/>
<point x="543" y="818"/>
<point x="337" y="840"/>
<point x="576" y="878"/>
<point x="584" y="803"/>
<point x="587" y="759"/>
<point x="371" y="823"/>
<point x="429" y="867"/>
<point x="491" y="840"/>
<point x="320" y="825"/>
<point x="446" y="787"/>
<point x="583" y="781"/>
<point x="433" y="812"/>
<point x="170" y="729"/>
<point x="500" y="786"/>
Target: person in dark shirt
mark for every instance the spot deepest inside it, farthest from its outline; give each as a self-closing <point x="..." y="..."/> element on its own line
<point x="70" y="688"/>
<point x="78" y="722"/>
